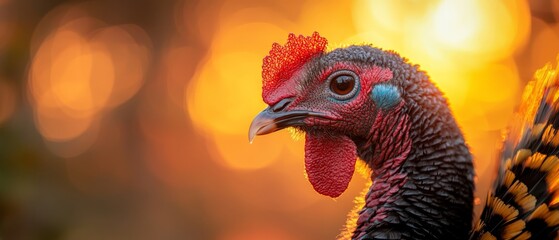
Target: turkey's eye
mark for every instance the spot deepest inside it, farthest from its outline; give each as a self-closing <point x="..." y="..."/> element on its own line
<point x="343" y="84"/>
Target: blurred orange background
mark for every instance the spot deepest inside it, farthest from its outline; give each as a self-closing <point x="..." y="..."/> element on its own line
<point x="128" y="119"/>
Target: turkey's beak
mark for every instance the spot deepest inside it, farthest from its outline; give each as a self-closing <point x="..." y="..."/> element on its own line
<point x="269" y="121"/>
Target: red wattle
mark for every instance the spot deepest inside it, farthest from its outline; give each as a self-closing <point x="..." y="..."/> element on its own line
<point x="330" y="162"/>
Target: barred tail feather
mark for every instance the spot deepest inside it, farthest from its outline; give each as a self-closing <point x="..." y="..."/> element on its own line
<point x="523" y="203"/>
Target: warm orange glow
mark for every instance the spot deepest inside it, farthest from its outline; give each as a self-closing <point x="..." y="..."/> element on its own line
<point x="220" y="99"/>
<point x="443" y="38"/>
<point x="178" y="63"/>
<point x="128" y="119"/>
<point x="56" y="125"/>
<point x="445" y="31"/>
<point x="7" y="101"/>
<point x="81" y="76"/>
<point x="456" y="23"/>
<point x="215" y="99"/>
<point x="547" y="36"/>
<point x="217" y="102"/>
<point x="76" y="146"/>
<point x="243" y="156"/>
<point x="450" y="40"/>
<point x="258" y="231"/>
<point x="79" y="71"/>
<point x="129" y="50"/>
<point x="103" y="174"/>
<point x="6" y="30"/>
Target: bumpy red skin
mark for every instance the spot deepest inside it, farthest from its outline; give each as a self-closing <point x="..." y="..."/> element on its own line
<point x="329" y="162"/>
<point x="284" y="61"/>
<point x="330" y="158"/>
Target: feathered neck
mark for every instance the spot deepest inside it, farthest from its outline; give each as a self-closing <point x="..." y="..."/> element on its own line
<point x="422" y="169"/>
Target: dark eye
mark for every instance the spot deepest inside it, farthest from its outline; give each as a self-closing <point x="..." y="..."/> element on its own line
<point x="342" y="84"/>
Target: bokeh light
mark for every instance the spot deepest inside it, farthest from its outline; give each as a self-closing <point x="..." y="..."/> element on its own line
<point x="128" y="119"/>
<point x="81" y="69"/>
<point x="220" y="98"/>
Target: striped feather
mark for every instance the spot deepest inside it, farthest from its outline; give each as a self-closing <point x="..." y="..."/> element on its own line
<point x="523" y="203"/>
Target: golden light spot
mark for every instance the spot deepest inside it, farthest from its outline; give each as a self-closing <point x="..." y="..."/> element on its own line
<point x="81" y="75"/>
<point x="477" y="201"/>
<point x="233" y="151"/>
<point x="82" y="68"/>
<point x="60" y="84"/>
<point x="499" y="25"/>
<point x="129" y="50"/>
<point x="444" y="31"/>
<point x="220" y="99"/>
<point x="450" y="14"/>
<point x="55" y="124"/>
<point x="445" y="43"/>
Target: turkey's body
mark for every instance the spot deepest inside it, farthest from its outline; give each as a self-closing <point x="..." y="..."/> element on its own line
<point x="364" y="102"/>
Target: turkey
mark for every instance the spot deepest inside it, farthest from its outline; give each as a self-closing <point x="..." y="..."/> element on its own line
<point x="362" y="102"/>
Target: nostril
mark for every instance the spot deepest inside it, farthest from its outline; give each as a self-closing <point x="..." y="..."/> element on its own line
<point x="281" y="104"/>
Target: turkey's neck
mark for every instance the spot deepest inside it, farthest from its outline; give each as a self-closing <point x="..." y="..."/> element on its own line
<point x="422" y="176"/>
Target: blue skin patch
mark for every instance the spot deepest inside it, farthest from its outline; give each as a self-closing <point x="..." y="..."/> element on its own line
<point x="385" y="96"/>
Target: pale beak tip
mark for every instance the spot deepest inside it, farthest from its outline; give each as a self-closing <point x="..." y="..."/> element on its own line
<point x="252" y="132"/>
<point x="251" y="138"/>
